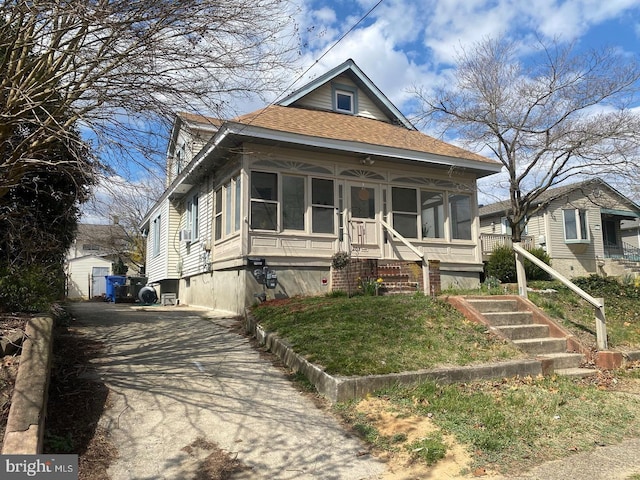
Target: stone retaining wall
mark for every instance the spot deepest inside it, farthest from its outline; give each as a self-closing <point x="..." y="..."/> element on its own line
<point x="25" y="425"/>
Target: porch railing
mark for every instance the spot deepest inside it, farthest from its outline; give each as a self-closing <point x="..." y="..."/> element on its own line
<point x="625" y="251"/>
<point x="596" y="303"/>
<point x="490" y="241"/>
<point x="410" y="246"/>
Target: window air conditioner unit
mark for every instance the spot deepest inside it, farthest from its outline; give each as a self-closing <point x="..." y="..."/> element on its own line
<point x="185" y="236"/>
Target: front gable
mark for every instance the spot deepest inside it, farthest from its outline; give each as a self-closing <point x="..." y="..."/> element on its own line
<point x="346" y="89"/>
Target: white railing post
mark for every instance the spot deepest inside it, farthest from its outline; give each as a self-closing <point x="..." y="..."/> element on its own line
<point x="601" y="326"/>
<point x="597" y="303"/>
<point x="520" y="272"/>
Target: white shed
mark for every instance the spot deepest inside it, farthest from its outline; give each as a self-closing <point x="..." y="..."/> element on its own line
<point x="86" y="277"/>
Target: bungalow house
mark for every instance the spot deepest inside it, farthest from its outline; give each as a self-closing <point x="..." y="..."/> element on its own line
<point x="259" y="205"/>
<point x="581" y="227"/>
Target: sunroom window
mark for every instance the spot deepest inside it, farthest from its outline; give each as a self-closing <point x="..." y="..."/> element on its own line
<point x="322" y="206"/>
<point x="432" y="205"/>
<point x="575" y="225"/>
<point x="404" y="206"/>
<point x="264" y="201"/>
<point x="460" y="216"/>
<point x="293" y="202"/>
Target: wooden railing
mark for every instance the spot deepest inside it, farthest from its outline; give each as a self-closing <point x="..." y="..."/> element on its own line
<point x="410" y="246"/>
<point x="597" y="303"/>
<point x="490" y="241"/>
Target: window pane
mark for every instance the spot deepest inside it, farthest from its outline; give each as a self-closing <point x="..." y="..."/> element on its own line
<point x="293" y="205"/>
<point x="343" y="102"/>
<point x="194" y="214"/>
<point x="218" y="227"/>
<point x="322" y="220"/>
<point x="460" y="210"/>
<point x="432" y="214"/>
<point x="403" y="200"/>
<point x="238" y="203"/>
<point x="570" y="226"/>
<point x="263" y="215"/>
<point x="264" y="186"/>
<point x="321" y="191"/>
<point x="363" y="202"/>
<point x="583" y="225"/>
<point x="227" y="209"/>
<point x="219" y="201"/>
<point x="405" y="224"/>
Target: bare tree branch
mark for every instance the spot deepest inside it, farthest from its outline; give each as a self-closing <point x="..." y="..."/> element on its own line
<point x="551" y="116"/>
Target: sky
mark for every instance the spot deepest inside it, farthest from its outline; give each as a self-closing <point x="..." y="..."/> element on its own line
<point x="405" y="44"/>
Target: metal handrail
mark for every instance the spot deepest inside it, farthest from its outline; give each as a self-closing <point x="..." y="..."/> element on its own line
<point x="597" y="303"/>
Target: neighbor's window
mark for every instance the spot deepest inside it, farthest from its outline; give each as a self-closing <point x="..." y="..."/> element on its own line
<point x="217" y="214"/>
<point x="155" y="236"/>
<point x="460" y="216"/>
<point x="293" y="202"/>
<point x="322" y="206"/>
<point x="264" y="201"/>
<point x="575" y="225"/>
<point x="432" y="211"/>
<point x="404" y="207"/>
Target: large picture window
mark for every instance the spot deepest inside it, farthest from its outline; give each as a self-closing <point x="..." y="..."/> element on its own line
<point x="404" y="204"/>
<point x="264" y="201"/>
<point x="575" y="225"/>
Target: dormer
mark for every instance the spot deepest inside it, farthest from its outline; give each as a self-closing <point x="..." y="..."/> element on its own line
<point x="347" y="90"/>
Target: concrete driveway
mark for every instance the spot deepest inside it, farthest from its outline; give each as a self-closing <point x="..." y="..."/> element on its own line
<point x="178" y="374"/>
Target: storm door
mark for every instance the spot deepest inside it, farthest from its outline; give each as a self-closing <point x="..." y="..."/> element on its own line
<point x="363" y="229"/>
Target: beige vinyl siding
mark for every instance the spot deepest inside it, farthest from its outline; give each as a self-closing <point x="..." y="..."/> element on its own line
<point x="321" y="99"/>
<point x="163" y="266"/>
<point x="195" y="255"/>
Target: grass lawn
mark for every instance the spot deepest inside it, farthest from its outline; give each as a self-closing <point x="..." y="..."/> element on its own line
<point x="368" y="335"/>
<point x="507" y="425"/>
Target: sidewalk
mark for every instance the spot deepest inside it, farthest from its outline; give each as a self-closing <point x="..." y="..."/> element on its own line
<point x="176" y="376"/>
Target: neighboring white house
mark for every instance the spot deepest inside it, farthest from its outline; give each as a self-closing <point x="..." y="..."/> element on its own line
<point x="273" y="195"/>
<point x="581" y="228"/>
<point x="90" y="259"/>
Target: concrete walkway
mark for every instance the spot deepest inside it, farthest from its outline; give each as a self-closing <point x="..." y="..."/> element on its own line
<point x="179" y="374"/>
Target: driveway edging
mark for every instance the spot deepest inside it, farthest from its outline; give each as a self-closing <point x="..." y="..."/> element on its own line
<point x="341" y="389"/>
<point x="25" y="426"/>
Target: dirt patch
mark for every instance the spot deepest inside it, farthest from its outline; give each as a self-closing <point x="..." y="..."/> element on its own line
<point x="392" y="423"/>
<point x="213" y="462"/>
<point x="77" y="399"/>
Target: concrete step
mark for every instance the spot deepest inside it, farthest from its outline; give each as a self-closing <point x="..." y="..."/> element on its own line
<point x="485" y="306"/>
<point x="540" y="346"/>
<point x="576" y="372"/>
<point x="521" y="332"/>
<point x="500" y="319"/>
<point x="565" y="360"/>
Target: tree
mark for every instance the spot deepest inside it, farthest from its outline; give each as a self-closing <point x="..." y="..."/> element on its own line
<point x="111" y="66"/>
<point x="556" y="114"/>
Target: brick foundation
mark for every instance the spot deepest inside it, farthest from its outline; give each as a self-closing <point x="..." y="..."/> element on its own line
<point x="397" y="276"/>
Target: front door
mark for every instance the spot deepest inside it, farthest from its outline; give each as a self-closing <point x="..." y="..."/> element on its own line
<point x="612" y="247"/>
<point x="364" y="233"/>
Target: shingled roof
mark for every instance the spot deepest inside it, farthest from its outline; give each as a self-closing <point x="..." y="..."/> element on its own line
<point x="351" y="128"/>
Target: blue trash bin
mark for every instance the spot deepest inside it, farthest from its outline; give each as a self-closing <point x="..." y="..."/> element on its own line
<point x="114" y="281"/>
